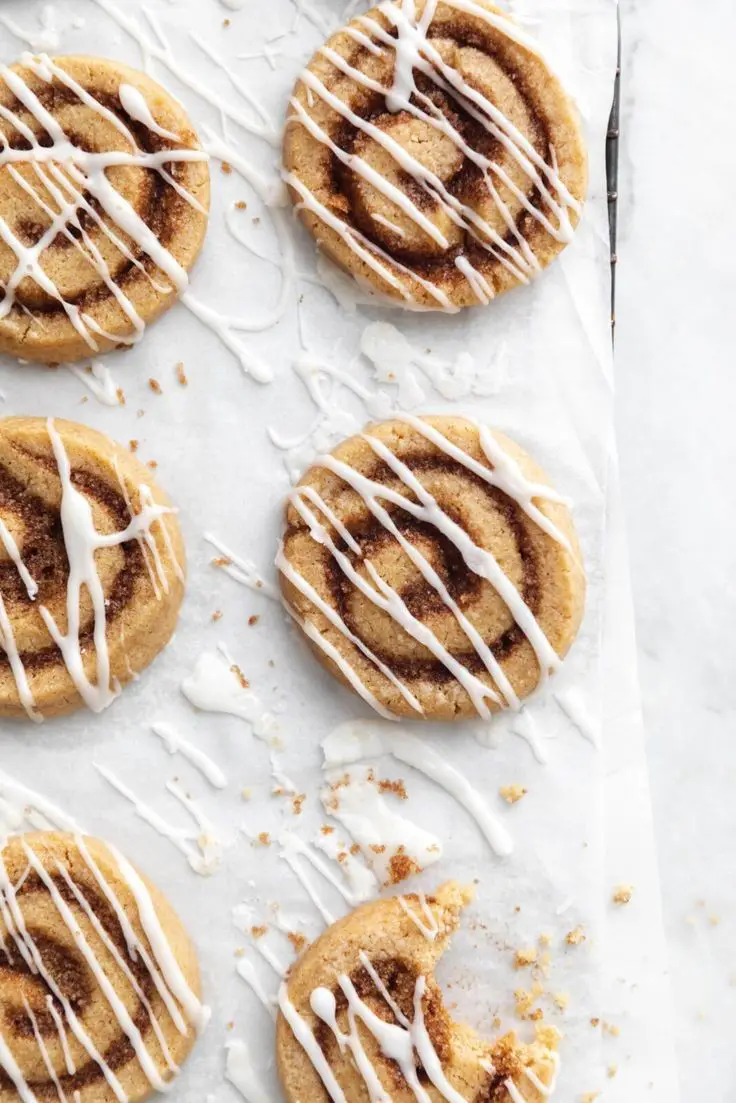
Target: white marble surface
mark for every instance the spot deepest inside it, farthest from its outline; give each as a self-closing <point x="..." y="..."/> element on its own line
<point x="676" y="400"/>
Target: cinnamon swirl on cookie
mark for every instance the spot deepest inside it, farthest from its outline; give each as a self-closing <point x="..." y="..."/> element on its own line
<point x="432" y="568"/>
<point x="91" y="568"/>
<point x="104" y="193"/>
<point x="362" y="1017"/>
<point x="99" y="982"/>
<point x="433" y="154"/>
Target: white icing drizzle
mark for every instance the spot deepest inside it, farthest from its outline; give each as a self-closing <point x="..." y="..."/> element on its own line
<point x="202" y="848"/>
<point x="246" y="971"/>
<point x="176" y="743"/>
<point x="426" y="922"/>
<point x="215" y="686"/>
<point x="98" y="381"/>
<point x="357" y="741"/>
<point x="359" y="878"/>
<point x="356" y="883"/>
<point x="242" y="570"/>
<point x="81" y="541"/>
<point x="574" y="708"/>
<point x="380" y="831"/>
<point x="414" y="51"/>
<point x="239" y="1064"/>
<point x="162" y="967"/>
<point x="508" y="477"/>
<point x="135" y="104"/>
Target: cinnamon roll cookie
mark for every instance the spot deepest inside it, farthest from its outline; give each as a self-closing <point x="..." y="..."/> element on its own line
<point x="363" y="1018"/>
<point x="432" y="568"/>
<point x="91" y="568"/>
<point x="99" y="983"/>
<point x="431" y="152"/>
<point x="104" y="192"/>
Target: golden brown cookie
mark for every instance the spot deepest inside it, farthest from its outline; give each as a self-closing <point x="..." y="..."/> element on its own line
<point x="104" y="192"/>
<point x="99" y="982"/>
<point x="366" y="989"/>
<point x="432" y="568"/>
<point x="91" y="567"/>
<point x="434" y="155"/>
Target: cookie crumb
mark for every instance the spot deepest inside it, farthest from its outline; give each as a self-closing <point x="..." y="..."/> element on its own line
<point x="120" y="396"/>
<point x="264" y="839"/>
<point x="221" y="561"/>
<point x="252" y="620"/>
<point x="297" y="802"/>
<point x="525" y="957"/>
<point x="512" y="793"/>
<point x="258" y="932"/>
<point x="241" y="205"/>
<point x="139" y="413"/>
<point x="217" y="615"/>
<point x="400" y="867"/>
<point x="396" y="787"/>
<point x="326" y="830"/>
<point x="235" y="669"/>
<point x="589" y="1097"/>
<point x="152" y="464"/>
<point x="133" y="445"/>
<point x="226" y="168"/>
<point x="611" y="1071"/>
<point x="297" y="940"/>
<point x="622" y="894"/>
<point x="181" y="375"/>
<point x="246" y="794"/>
<point x="155" y="386"/>
<point x="561" y="1000"/>
<point x="575" y="937"/>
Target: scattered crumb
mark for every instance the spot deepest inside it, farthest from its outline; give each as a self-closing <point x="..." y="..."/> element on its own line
<point x="246" y="794"/>
<point x="714" y="920"/>
<point x="155" y="386"/>
<point x="622" y="894"/>
<point x="536" y="1014"/>
<point x="525" y="957"/>
<point x="253" y="619"/>
<point x="258" y="932"/>
<point x="595" y="1022"/>
<point x="611" y="1071"/>
<point x="240" y="676"/>
<point x="561" y="1000"/>
<point x="139" y="413"/>
<point x="121" y="396"/>
<point x="396" y="787"/>
<point x="376" y="848"/>
<point x="400" y="867"/>
<point x="545" y="939"/>
<point x="181" y="374"/>
<point x="611" y="1029"/>
<point x="217" y="615"/>
<point x="589" y="1097"/>
<point x="326" y="830"/>
<point x="153" y="464"/>
<point x="575" y="937"/>
<point x="83" y="399"/>
<point x="264" y="839"/>
<point x="512" y="793"/>
<point x="355" y="850"/>
<point x="221" y="561"/>
<point x="133" y="445"/>
<point x="297" y="940"/>
<point x="256" y="221"/>
<point x="226" y="168"/>
<point x="226" y="22"/>
<point x="525" y="1000"/>
<point x="297" y="802"/>
<point x="241" y="205"/>
<point x="239" y="952"/>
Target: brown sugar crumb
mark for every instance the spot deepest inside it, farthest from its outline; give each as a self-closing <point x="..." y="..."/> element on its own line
<point x="326" y="829"/>
<point x="264" y="839"/>
<point x="133" y="445"/>
<point x="258" y="932"/>
<point x="155" y="386"/>
<point x="595" y="1022"/>
<point x="241" y="205"/>
<point x="400" y="867"/>
<point x="622" y="894"/>
<point x="396" y="787"/>
<point x="376" y="848"/>
<point x="536" y="1014"/>
<point x="355" y="850"/>
<point x="217" y="615"/>
<point x="297" y="802"/>
<point x="252" y="620"/>
<point x="226" y="168"/>
<point x="525" y="957"/>
<point x="611" y="1029"/>
<point x="153" y="464"/>
<point x="221" y="561"/>
<point x="575" y="937"/>
<point x="120" y="396"/>
<point x="181" y="375"/>
<point x="226" y="22"/>
<point x="512" y="793"/>
<point x="525" y="999"/>
<point x="297" y="940"/>
<point x="245" y="684"/>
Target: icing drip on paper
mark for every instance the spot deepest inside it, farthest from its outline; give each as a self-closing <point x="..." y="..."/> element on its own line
<point x="239" y="1065"/>
<point x="355" y="742"/>
<point x="506" y="475"/>
<point x="415" y="52"/>
<point x="241" y="570"/>
<point x="574" y="708"/>
<point x="381" y="833"/>
<point x="160" y="963"/>
<point x="175" y="743"/>
<point x="98" y="381"/>
<point x="216" y="685"/>
<point x="202" y="848"/>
